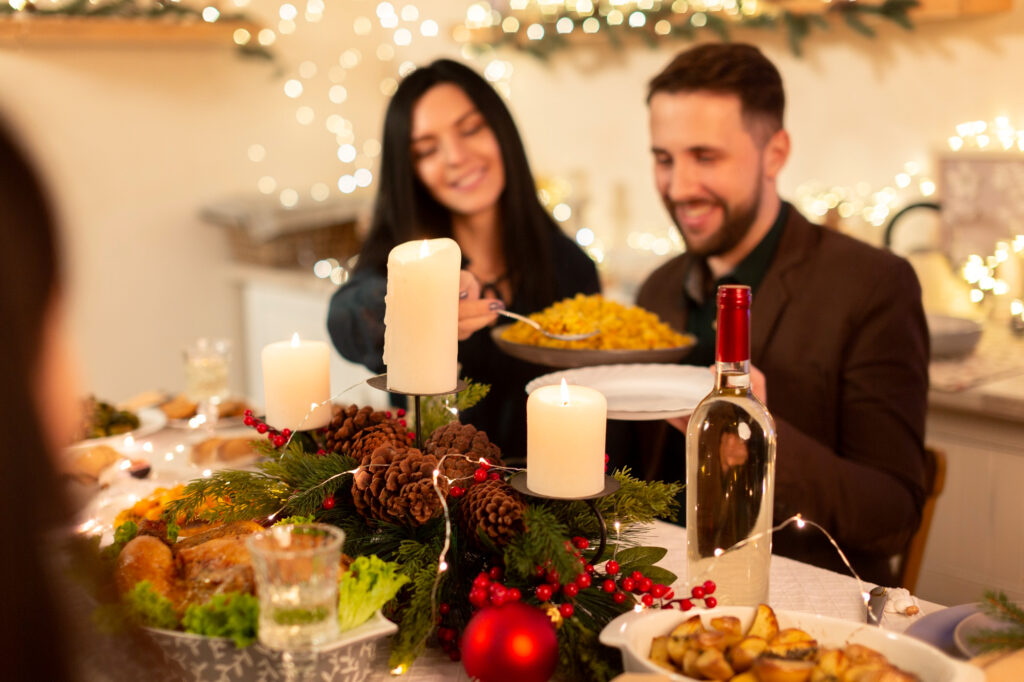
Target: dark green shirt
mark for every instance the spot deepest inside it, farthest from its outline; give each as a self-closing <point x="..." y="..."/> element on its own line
<point x="699" y="290"/>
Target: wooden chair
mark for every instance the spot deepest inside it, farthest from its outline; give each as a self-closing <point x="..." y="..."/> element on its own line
<point x="909" y="563"/>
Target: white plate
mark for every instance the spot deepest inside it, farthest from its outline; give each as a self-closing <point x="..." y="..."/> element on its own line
<point x="151" y="420"/>
<point x="633" y="631"/>
<point x="973" y="625"/>
<point x="639" y="392"/>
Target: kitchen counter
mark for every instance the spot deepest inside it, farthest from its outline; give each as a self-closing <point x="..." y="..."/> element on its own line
<point x="988" y="383"/>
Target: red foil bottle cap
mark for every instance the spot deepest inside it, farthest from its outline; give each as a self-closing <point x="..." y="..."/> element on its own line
<point x="733" y="337"/>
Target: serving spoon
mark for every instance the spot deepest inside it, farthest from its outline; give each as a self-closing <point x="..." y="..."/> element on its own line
<point x="550" y="335"/>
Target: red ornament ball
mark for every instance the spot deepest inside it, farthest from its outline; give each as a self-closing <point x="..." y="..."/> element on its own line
<point x="510" y="643"/>
<point x="328" y="502"/>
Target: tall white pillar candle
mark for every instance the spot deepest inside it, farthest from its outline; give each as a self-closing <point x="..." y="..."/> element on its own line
<point x="421" y="317"/>
<point x="565" y="427"/>
<point x="296" y="380"/>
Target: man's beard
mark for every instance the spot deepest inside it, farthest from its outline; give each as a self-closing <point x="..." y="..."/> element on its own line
<point x="736" y="223"/>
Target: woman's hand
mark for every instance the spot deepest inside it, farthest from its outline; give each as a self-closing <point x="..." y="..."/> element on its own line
<point x="475" y="313"/>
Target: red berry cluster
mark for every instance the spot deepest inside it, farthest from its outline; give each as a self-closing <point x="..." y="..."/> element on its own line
<point x="697" y="593"/>
<point x="482" y="474"/>
<point x="278" y="438"/>
<point x="447" y="636"/>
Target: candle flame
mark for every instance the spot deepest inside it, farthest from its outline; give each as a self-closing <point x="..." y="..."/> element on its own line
<point x="565" y="392"/>
<point x="295" y="340"/>
<point x="424" y="249"/>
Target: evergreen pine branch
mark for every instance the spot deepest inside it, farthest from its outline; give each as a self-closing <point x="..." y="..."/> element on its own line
<point x="230" y="495"/>
<point x="581" y="656"/>
<point x="417" y="560"/>
<point x="998" y="605"/>
<point x="543" y="543"/>
<point x="442" y="409"/>
<point x="639" y="501"/>
<point x="1010" y="638"/>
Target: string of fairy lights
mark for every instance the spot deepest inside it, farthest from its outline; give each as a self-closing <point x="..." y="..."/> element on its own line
<point x="442" y="484"/>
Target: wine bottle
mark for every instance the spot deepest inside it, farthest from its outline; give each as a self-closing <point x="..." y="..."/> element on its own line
<point x="730" y="468"/>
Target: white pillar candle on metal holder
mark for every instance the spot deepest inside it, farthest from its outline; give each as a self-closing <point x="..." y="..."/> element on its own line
<point x="565" y="427"/>
<point x="421" y="317"/>
<point x="297" y="384"/>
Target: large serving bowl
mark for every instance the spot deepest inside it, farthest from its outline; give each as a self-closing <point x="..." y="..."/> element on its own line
<point x="564" y="358"/>
<point x="633" y="631"/>
<point x="952" y="337"/>
<point x="217" y="659"/>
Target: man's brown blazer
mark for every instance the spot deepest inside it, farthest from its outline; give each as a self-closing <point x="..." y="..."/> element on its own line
<point x="838" y="329"/>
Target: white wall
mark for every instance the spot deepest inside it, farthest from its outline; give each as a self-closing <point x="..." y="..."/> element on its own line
<point x="136" y="139"/>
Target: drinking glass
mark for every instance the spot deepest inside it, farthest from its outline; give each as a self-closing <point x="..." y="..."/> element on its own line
<point x="296" y="571"/>
<point x="206" y="376"/>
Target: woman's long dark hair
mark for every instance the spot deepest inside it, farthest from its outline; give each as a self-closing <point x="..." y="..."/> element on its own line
<point x="32" y="642"/>
<point x="406" y="210"/>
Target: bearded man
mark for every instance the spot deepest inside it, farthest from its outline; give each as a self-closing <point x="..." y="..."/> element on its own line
<point x="839" y="343"/>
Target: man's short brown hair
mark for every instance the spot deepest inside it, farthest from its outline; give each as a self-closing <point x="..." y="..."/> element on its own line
<point x="729" y="69"/>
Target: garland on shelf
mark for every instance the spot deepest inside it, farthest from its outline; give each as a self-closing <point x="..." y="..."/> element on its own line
<point x="464" y="538"/>
<point x="543" y="31"/>
<point x="133" y="9"/>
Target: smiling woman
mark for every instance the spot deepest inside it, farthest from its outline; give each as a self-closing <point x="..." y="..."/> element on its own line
<point x="453" y="165"/>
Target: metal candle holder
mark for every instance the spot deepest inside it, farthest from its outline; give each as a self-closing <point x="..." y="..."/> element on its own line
<point x="611" y="485"/>
<point x="380" y="382"/>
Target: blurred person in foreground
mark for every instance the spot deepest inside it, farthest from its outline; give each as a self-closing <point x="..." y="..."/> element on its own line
<point x="45" y="631"/>
<point x="453" y="165"/>
<point x="839" y="345"/>
<point x="38" y="411"/>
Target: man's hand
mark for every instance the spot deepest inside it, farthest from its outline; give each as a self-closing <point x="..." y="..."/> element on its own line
<point x="758" y="386"/>
<point x="474" y="312"/>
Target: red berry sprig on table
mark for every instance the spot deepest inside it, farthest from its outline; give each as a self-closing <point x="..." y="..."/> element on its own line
<point x="278" y="438"/>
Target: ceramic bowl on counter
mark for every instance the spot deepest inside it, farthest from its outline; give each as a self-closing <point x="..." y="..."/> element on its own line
<point x="952" y="337"/>
<point x="217" y="659"/>
<point x="633" y="631"/>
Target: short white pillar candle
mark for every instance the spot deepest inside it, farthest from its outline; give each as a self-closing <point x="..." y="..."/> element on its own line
<point x="297" y="384"/>
<point x="421" y="317"/>
<point x="565" y="428"/>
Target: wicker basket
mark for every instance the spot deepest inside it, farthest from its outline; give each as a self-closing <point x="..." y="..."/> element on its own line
<point x="262" y="234"/>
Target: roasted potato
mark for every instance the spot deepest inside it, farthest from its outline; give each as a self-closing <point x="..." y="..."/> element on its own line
<point x="765" y="624"/>
<point x="743" y="654"/>
<point x="778" y="670"/>
<point x="765" y="653"/>
<point x="659" y="653"/>
<point x="712" y="665"/>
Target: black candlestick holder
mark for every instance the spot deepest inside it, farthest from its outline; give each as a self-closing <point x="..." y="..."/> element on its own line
<point x="380" y="382"/>
<point x="611" y="485"/>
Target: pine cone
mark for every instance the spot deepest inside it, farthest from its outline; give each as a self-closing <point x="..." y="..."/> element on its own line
<point x="349" y="421"/>
<point x="396" y="485"/>
<point x="493" y="507"/>
<point x="388" y="432"/>
<point x="465" y="439"/>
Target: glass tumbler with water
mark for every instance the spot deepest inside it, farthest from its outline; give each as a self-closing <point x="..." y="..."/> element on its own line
<point x="206" y="376"/>
<point x="296" y="570"/>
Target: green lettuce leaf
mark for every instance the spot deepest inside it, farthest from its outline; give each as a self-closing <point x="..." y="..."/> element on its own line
<point x="232" y="614"/>
<point x="145" y="606"/>
<point x="368" y="584"/>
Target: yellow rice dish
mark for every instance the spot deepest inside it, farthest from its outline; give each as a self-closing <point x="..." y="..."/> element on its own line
<point x="621" y="327"/>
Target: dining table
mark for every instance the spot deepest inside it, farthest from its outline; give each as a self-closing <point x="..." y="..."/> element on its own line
<point x="794" y="585"/>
